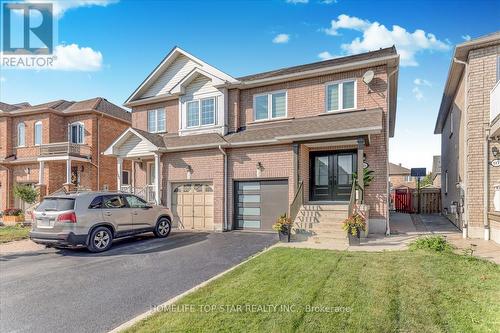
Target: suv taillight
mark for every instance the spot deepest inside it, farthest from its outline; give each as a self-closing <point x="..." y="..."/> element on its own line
<point x="67" y="217"/>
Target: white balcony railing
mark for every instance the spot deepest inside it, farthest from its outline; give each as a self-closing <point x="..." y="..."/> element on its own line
<point x="147" y="192"/>
<point x="65" y="148"/>
<point x="495" y="102"/>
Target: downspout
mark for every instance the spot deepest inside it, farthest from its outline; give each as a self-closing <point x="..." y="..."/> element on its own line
<point x="98" y="155"/>
<point x="388" y="229"/>
<point x="465" y="223"/>
<point x="224" y="177"/>
<point x="486" y="194"/>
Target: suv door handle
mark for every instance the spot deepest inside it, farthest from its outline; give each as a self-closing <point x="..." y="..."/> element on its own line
<point x="107" y="213"/>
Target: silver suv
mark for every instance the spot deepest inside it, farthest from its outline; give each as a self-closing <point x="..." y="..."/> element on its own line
<point x="94" y="219"/>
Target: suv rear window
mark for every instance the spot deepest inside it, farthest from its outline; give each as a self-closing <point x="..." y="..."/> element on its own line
<point x="56" y="204"/>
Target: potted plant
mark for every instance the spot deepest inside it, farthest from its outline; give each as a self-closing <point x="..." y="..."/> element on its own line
<point x="354" y="225"/>
<point x="363" y="208"/>
<point x="283" y="226"/>
<point x="12" y="216"/>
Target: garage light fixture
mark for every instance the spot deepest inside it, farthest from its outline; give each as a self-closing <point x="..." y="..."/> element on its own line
<point x="260" y="168"/>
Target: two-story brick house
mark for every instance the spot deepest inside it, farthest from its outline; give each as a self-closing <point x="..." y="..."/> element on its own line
<point x="234" y="153"/>
<point x="58" y="144"/>
<point x="469" y="125"/>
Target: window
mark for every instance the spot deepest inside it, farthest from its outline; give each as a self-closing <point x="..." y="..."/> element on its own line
<point x="341" y="96"/>
<point x="76" y="133"/>
<point x="270" y="105"/>
<point x="113" y="201"/>
<point x="38" y="133"/>
<point x="135" y="202"/>
<point x="408" y="178"/>
<point x="21" y="135"/>
<point x="96" y="203"/>
<point x="201" y="112"/>
<point x="156" y="121"/>
<point x="125" y="177"/>
<point x="150" y="176"/>
<point x="56" y="204"/>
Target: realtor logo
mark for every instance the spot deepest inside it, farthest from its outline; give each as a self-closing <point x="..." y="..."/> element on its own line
<point x="27" y="28"/>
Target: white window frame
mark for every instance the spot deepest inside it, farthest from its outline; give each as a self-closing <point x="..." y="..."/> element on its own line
<point x="19" y="144"/>
<point x="199" y="100"/>
<point x="150" y="173"/>
<point x="270" y="104"/>
<point x="70" y="128"/>
<point x="128" y="177"/>
<point x="156" y="112"/>
<point x="341" y="94"/>
<point x="38" y="123"/>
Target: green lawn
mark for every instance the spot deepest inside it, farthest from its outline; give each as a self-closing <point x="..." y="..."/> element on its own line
<point x="408" y="291"/>
<point x="12" y="233"/>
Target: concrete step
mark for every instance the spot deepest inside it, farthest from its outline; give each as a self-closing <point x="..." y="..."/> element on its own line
<point x="327" y="213"/>
<point x="332" y="207"/>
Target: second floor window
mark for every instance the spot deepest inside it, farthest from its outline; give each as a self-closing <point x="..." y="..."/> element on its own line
<point x="341" y="96"/>
<point x="38" y="133"/>
<point x="76" y="133"/>
<point x="21" y="135"/>
<point x="156" y="121"/>
<point x="201" y="112"/>
<point x="270" y="105"/>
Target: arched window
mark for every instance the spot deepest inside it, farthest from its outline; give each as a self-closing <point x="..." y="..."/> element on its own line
<point x="21" y="135"/>
<point x="38" y="133"/>
<point x="76" y="132"/>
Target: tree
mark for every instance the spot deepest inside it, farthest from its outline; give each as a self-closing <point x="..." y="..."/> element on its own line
<point x="427" y="180"/>
<point x="26" y="193"/>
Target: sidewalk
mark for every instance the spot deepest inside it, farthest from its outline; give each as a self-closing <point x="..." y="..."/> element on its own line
<point x="405" y="228"/>
<point x="19" y="246"/>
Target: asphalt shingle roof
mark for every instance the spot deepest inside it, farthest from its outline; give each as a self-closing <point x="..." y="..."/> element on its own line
<point x="395" y="169"/>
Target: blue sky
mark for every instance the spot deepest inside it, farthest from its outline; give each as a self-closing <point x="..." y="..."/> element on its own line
<point x="108" y="47"/>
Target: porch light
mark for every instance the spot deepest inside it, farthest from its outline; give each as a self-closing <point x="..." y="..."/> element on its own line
<point x="494" y="151"/>
<point x="189" y="171"/>
<point x="260" y="168"/>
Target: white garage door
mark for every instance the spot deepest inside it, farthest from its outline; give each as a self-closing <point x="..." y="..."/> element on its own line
<point x="193" y="205"/>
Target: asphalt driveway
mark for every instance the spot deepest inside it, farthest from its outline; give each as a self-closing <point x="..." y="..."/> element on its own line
<point x="77" y="291"/>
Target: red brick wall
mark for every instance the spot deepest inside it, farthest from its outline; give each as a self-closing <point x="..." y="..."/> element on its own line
<point x="140" y="115"/>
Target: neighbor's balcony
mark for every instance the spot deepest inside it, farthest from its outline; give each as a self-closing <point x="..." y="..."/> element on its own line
<point x="65" y="149"/>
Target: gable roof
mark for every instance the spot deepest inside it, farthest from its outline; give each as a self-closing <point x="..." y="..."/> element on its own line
<point x="397" y="169"/>
<point x="163" y="65"/>
<point x="455" y="72"/>
<point x="97" y="104"/>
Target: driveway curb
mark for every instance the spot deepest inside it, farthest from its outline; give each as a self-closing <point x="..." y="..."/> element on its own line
<point x="149" y="313"/>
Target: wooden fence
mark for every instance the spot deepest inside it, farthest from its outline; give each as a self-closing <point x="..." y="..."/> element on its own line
<point x="406" y="200"/>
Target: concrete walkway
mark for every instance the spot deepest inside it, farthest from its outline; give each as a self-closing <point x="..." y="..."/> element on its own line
<point x="405" y="228"/>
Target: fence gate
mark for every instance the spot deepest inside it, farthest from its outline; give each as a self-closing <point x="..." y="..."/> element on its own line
<point x="403" y="201"/>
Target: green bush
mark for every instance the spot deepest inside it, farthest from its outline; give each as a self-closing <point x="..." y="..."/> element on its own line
<point x="432" y="243"/>
<point x="26" y="193"/>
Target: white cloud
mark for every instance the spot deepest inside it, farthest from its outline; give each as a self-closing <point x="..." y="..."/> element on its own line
<point x="325" y="55"/>
<point x="75" y="58"/>
<point x="418" y="93"/>
<point x="3" y="79"/>
<point x="376" y="35"/>
<point x="297" y="1"/>
<point x="327" y="2"/>
<point x="281" y="39"/>
<point x="59" y="7"/>
<point x="422" y="82"/>
<point x="466" y="37"/>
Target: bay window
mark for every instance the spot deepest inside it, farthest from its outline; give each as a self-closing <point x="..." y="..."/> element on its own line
<point x="341" y="95"/>
<point x="200" y="112"/>
<point x="271" y="105"/>
<point x="156" y="121"/>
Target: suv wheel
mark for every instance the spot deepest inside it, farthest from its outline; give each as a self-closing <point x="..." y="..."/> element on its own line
<point x="162" y="228"/>
<point x="100" y="239"/>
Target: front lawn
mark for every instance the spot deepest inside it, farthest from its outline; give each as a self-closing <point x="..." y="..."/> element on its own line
<point x="12" y="233"/>
<point x="301" y="290"/>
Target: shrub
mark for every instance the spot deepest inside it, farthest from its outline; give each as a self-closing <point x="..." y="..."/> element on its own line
<point x="432" y="243"/>
<point x="26" y="193"/>
<point x="283" y="223"/>
<point x="12" y="212"/>
<point x="353" y="223"/>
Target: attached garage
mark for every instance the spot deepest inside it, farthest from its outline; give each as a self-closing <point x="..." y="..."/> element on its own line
<point x="193" y="205"/>
<point x="257" y="204"/>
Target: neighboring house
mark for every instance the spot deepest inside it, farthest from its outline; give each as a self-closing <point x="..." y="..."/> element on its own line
<point x="58" y="144"/>
<point x="469" y="124"/>
<point x="400" y="176"/>
<point x="235" y="153"/>
<point x="436" y="171"/>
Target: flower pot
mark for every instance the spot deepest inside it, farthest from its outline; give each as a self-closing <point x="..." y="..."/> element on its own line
<point x="284" y="235"/>
<point x="12" y="220"/>
<point x="354" y="240"/>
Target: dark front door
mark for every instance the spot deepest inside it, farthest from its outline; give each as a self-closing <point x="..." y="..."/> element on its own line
<point x="331" y="175"/>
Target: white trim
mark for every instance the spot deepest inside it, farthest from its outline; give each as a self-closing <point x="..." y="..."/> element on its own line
<point x="76" y="123"/>
<point x="39" y="122"/>
<point x="123" y="137"/>
<point x="128" y="177"/>
<point x="62" y="158"/>
<point x="269" y="105"/>
<point x="179" y="87"/>
<point x="19" y="145"/>
<point x="199" y="100"/>
<point x="340" y="90"/>
<point x="148" y="172"/>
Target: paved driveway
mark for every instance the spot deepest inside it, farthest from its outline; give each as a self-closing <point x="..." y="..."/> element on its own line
<point x="77" y="291"/>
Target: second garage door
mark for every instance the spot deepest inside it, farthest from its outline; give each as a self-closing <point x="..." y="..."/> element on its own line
<point x="193" y="205"/>
<point x="259" y="203"/>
